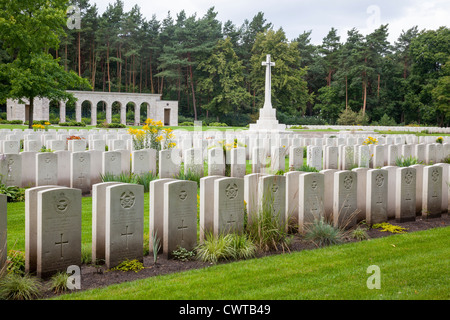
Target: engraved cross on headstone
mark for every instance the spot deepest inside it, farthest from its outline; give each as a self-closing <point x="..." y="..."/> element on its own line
<point x="61" y="243"/>
<point x="126" y="234"/>
<point x="81" y="178"/>
<point x="48" y="179"/>
<point x="230" y="221"/>
<point x="182" y="229"/>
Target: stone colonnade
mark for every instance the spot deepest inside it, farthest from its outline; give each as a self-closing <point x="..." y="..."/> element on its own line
<point x="157" y="109"/>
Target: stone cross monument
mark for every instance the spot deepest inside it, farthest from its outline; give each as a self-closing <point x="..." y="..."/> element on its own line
<point x="267" y="115"/>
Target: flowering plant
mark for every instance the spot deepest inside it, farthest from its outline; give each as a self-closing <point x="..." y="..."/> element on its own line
<point x="152" y="136"/>
<point x="370" y="140"/>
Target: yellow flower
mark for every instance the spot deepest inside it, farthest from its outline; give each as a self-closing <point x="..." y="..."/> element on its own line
<point x="47" y="123"/>
<point x="159" y="138"/>
<point x="146" y="127"/>
<point x="148" y="121"/>
<point x="159" y="123"/>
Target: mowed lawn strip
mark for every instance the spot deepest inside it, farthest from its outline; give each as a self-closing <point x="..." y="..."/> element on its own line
<point x="412" y="265"/>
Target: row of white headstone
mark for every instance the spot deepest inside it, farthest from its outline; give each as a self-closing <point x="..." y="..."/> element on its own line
<point x="53" y="213"/>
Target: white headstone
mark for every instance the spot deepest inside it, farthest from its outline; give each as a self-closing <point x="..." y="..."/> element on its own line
<point x="11" y="169"/>
<point x="345" y="199"/>
<point x="124" y="223"/>
<point x="216" y="162"/>
<point x="99" y="220"/>
<point x="156" y="208"/>
<point x="180" y="216"/>
<point x="376" y="196"/>
<point x="111" y="162"/>
<point x="169" y="163"/>
<point x="46" y="169"/>
<point x="206" y="214"/>
<point x="238" y="162"/>
<point x="272" y="197"/>
<point x="311" y="199"/>
<point x="295" y="157"/>
<point x="405" y="202"/>
<point x="80" y="171"/>
<point x="228" y="205"/>
<point x="58" y="230"/>
<point x="432" y="192"/>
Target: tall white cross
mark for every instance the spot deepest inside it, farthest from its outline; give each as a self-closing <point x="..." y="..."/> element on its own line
<point x="268" y="94"/>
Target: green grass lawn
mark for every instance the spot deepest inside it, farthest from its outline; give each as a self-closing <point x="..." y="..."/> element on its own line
<point x="412" y="266"/>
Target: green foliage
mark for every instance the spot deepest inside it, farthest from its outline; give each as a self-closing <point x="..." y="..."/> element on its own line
<point x="15" y="262"/>
<point x="385" y="121"/>
<point x="72" y="124"/>
<point x="189" y="175"/>
<point x="306" y="168"/>
<point x="183" y="254"/>
<point x="86" y="253"/>
<point x="58" y="282"/>
<point x="129" y="265"/>
<point x="45" y="149"/>
<point x="14" y="194"/>
<point x="265" y="227"/>
<point x="359" y="234"/>
<point x="349" y="117"/>
<point x="130" y="177"/>
<point x="110" y="125"/>
<point x="186" y="124"/>
<point x="225" y="247"/>
<point x="387" y="227"/>
<point x="406" y="162"/>
<point x="17" y="287"/>
<point x="156" y="243"/>
<point x="322" y="233"/>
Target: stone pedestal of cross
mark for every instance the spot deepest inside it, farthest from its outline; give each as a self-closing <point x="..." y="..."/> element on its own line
<point x="267" y="115"/>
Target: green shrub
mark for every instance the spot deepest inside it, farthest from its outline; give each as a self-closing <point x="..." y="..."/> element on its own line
<point x="58" y="282"/>
<point x="183" y="254"/>
<point x="225" y="247"/>
<point x="217" y="124"/>
<point x="406" y="162"/>
<point x="130" y="177"/>
<point x="359" y="234"/>
<point x="11" y="122"/>
<point x="189" y="175"/>
<point x="17" y="287"/>
<point x="16" y="262"/>
<point x="72" y="124"/>
<point x="129" y="265"/>
<point x="13" y="193"/>
<point x="349" y="117"/>
<point x="322" y="233"/>
<point x="243" y="247"/>
<point x="156" y="243"/>
<point x="215" y="248"/>
<point x="186" y="124"/>
<point x="306" y="168"/>
<point x="265" y="228"/>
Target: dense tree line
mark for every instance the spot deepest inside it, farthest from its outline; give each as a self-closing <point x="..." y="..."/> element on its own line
<point x="214" y="69"/>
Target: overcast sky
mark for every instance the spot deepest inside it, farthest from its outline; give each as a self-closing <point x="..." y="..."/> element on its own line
<point x="297" y="16"/>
